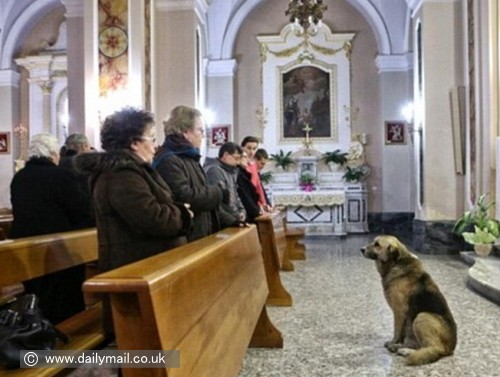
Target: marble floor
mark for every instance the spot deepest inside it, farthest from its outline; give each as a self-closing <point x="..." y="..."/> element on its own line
<point x="339" y="320"/>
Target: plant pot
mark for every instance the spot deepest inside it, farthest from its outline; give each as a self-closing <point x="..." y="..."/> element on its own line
<point x="483" y="249"/>
<point x="334" y="167"/>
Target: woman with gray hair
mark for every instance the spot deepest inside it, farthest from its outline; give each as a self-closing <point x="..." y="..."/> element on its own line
<point x="47" y="199"/>
<point x="178" y="162"/>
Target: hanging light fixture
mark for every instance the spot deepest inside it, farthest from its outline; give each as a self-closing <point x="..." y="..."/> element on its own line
<point x="306" y="13"/>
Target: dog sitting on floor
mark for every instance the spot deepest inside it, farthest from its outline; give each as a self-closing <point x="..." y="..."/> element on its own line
<point x="424" y="328"/>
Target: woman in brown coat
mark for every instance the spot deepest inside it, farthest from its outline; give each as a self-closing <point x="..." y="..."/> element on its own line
<point x="136" y="216"/>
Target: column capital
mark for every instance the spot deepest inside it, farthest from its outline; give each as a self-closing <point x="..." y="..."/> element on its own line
<point x="200" y="6"/>
<point x="394" y="63"/>
<point x="74" y="8"/>
<point x="9" y="77"/>
<point x="222" y="68"/>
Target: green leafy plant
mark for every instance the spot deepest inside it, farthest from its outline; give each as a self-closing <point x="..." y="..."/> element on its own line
<point x="479" y="236"/>
<point x="266" y="177"/>
<point x="282" y="159"/>
<point x="306" y="179"/>
<point x="354" y="174"/>
<point x="486" y="228"/>
<point x="306" y="182"/>
<point x="337" y="157"/>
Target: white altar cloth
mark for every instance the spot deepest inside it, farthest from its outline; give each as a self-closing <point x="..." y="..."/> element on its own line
<point x="308" y="199"/>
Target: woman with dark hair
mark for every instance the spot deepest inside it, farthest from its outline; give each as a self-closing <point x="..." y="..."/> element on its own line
<point x="136" y="215"/>
<point x="178" y="162"/>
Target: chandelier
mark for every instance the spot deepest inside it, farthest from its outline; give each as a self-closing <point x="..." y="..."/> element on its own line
<point x="306" y="12"/>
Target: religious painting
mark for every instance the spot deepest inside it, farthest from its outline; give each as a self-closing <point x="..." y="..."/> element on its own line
<point x="4" y="142"/>
<point x="306" y="102"/>
<point x="395" y="133"/>
<point x="219" y="135"/>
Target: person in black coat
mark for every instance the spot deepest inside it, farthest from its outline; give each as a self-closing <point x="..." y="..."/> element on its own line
<point x="47" y="199"/>
<point x="246" y="190"/>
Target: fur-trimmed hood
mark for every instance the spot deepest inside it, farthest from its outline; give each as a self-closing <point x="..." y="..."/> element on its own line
<point x="95" y="163"/>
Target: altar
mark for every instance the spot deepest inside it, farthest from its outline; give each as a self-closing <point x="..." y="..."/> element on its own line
<point x="318" y="198"/>
<point x="333" y="211"/>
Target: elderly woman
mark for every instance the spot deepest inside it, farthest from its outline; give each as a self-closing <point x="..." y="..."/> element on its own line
<point x="135" y="212"/>
<point x="136" y="215"/>
<point x="47" y="199"/>
<point x="178" y="163"/>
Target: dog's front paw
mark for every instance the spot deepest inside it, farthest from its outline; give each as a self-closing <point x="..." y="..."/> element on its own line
<point x="391" y="346"/>
<point x="404" y="351"/>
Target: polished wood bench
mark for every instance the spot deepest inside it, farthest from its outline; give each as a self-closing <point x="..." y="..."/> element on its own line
<point x="205" y="299"/>
<point x="296" y="250"/>
<point x="5" y="225"/>
<point x="275" y="255"/>
<point x="27" y="258"/>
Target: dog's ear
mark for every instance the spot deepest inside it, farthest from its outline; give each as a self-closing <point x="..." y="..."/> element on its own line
<point x="394" y="253"/>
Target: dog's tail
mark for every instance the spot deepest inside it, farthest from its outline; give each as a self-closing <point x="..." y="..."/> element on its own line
<point x="425" y="355"/>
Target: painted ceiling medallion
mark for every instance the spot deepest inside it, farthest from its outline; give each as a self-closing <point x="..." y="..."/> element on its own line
<point x="113" y="42"/>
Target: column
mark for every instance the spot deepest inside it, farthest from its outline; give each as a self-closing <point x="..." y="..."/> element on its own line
<point x="441" y="70"/>
<point x="76" y="71"/>
<point x="46" y="105"/>
<point x="175" y="58"/>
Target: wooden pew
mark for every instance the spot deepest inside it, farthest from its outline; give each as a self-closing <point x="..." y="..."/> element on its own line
<point x="205" y="299"/>
<point x="275" y="255"/>
<point x="27" y="258"/>
<point x="296" y="250"/>
<point x="5" y="225"/>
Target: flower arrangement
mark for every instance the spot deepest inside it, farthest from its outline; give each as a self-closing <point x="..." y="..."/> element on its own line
<point x="306" y="182"/>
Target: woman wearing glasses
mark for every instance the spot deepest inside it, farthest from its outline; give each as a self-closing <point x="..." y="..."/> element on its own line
<point x="136" y="215"/>
<point x="178" y="162"/>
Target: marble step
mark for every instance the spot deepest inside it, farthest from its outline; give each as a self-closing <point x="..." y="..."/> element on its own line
<point x="484" y="274"/>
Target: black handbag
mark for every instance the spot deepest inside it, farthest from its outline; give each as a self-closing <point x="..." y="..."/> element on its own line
<point x="23" y="327"/>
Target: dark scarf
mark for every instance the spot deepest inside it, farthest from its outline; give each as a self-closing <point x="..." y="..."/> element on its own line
<point x="176" y="145"/>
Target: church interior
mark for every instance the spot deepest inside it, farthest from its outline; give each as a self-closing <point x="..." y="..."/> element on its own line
<point x="406" y="92"/>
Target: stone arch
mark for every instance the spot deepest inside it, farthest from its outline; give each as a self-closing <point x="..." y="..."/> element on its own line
<point x="21" y="27"/>
<point x="369" y="12"/>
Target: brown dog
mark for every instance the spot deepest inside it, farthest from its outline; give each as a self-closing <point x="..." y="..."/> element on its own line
<point x="424" y="328"/>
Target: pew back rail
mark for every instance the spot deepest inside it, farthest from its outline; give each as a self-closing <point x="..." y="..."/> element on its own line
<point x="26" y="258"/>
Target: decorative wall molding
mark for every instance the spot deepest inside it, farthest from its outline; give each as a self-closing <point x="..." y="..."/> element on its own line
<point x="320" y="61"/>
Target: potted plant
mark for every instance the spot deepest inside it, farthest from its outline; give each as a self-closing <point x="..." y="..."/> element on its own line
<point x="282" y="159"/>
<point x="335" y="159"/>
<point x="266" y="177"/>
<point x="354" y="174"/>
<point x="478" y="228"/>
<point x="306" y="182"/>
